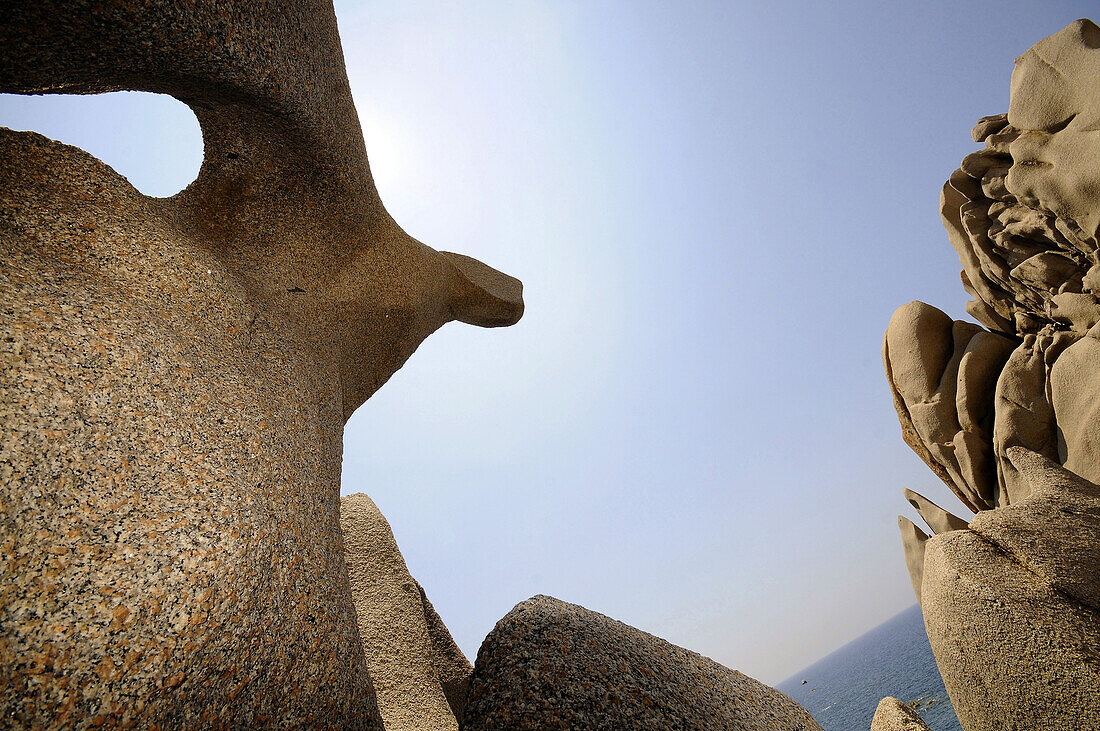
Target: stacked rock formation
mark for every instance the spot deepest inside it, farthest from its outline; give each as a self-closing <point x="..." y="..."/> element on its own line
<point x="175" y="374"/>
<point x="1008" y="416"/>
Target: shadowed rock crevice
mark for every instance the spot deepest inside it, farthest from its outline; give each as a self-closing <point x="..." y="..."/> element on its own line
<point x="450" y="664"/>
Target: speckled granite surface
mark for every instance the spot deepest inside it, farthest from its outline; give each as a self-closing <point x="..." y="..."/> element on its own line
<point x="451" y="666"/>
<point x="411" y="656"/>
<point x="552" y="665"/>
<point x="175" y="374"/>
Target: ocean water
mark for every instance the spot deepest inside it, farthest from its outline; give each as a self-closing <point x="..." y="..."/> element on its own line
<point x="843" y="689"/>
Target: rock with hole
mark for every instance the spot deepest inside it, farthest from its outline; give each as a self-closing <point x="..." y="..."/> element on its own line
<point x="176" y="373"/>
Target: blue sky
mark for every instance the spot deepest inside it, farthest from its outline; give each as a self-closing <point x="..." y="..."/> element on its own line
<point x="715" y="207"/>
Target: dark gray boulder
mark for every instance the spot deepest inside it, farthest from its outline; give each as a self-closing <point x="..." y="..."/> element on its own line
<point x="552" y="665"/>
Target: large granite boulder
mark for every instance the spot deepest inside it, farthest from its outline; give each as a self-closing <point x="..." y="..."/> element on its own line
<point x="893" y="715"/>
<point x="1008" y="416"/>
<point x="420" y="676"/>
<point x="1012" y="606"/>
<point x="175" y="373"/>
<point x="552" y="665"/>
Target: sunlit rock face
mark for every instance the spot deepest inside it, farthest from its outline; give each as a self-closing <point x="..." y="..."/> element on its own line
<point x="175" y="374"/>
<point x="1055" y="112"/>
<point x="420" y="675"/>
<point x="1008" y="416"/>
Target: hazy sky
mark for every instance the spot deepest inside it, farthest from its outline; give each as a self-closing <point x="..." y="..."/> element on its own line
<point x="714" y="207"/>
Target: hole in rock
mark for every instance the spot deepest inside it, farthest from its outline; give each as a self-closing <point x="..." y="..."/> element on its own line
<point x="151" y="139"/>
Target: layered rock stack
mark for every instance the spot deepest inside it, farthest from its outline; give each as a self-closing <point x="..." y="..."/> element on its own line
<point x="1007" y="415"/>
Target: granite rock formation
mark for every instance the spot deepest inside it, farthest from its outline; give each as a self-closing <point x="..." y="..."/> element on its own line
<point x="175" y="373"/>
<point x="552" y="665"/>
<point x="452" y="669"/>
<point x="893" y="715"/>
<point x="1012" y="606"/>
<point x="1007" y="417"/>
<point x="420" y="676"/>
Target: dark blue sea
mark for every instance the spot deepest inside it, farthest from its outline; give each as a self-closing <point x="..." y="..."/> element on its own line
<point x="843" y="689"/>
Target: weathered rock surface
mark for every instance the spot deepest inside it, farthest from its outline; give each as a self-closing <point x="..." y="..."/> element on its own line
<point x="1024" y="216"/>
<point x="1012" y="610"/>
<point x="1008" y="419"/>
<point x="175" y="374"/>
<point x="411" y="656"/>
<point x="942" y="375"/>
<point x="893" y="715"/>
<point x="552" y="665"/>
